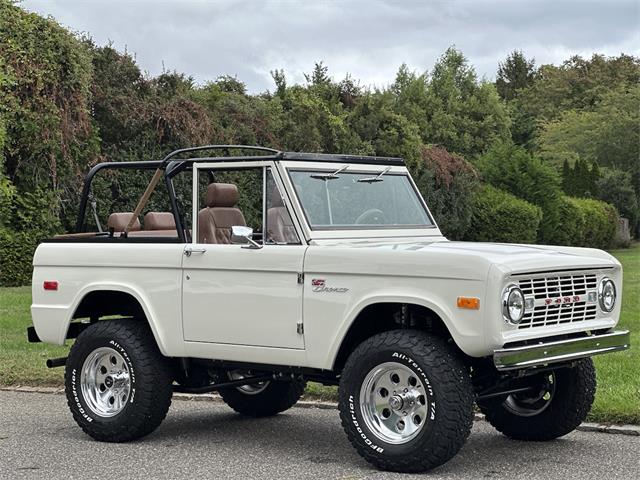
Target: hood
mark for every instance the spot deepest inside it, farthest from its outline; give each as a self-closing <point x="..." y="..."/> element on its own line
<point x="509" y="257"/>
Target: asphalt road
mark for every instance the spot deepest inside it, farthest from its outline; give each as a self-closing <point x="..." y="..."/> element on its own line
<point x="199" y="440"/>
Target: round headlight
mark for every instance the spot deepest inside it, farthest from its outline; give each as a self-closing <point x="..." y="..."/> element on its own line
<point x="513" y="304"/>
<point x="607" y="294"/>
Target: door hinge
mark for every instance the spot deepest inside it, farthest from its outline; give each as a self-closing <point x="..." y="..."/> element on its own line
<point x="300" y="278"/>
<point x="300" y="328"/>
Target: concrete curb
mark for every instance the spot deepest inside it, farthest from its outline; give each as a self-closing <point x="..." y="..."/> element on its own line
<point x="633" y="430"/>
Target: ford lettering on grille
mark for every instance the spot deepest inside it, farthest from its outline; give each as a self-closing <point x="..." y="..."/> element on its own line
<point x="559" y="299"/>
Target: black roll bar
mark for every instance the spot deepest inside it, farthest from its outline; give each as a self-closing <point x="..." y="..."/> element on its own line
<point x="219" y="147"/>
<point x="154" y="164"/>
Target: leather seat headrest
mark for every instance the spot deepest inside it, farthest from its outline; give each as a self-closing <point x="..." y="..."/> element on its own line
<point x="222" y="195"/>
<point x="119" y="220"/>
<point x="275" y="199"/>
<point x="159" y="221"/>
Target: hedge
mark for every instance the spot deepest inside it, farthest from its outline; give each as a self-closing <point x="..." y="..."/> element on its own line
<point x="599" y="221"/>
<point x="16" y="255"/>
<point x="569" y="225"/>
<point x="499" y="216"/>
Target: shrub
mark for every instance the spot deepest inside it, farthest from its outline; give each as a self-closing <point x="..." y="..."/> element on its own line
<point x="16" y="254"/>
<point x="25" y="219"/>
<point x="447" y="183"/>
<point x="499" y="216"/>
<point x="511" y="168"/>
<point x="7" y="193"/>
<point x="570" y="228"/>
<point x="600" y="221"/>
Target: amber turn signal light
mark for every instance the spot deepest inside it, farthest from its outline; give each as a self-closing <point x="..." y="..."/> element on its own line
<point x="471" y="303"/>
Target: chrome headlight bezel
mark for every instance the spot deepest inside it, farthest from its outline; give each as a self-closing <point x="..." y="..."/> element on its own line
<point x="512" y="301"/>
<point x="606" y="284"/>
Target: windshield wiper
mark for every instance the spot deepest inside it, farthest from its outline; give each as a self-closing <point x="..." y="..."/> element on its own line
<point x="377" y="178"/>
<point x="329" y="176"/>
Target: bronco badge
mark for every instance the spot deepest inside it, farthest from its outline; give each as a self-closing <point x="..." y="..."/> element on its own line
<point x="319" y="285"/>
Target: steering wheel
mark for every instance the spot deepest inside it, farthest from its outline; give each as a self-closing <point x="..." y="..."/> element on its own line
<point x="373" y="216"/>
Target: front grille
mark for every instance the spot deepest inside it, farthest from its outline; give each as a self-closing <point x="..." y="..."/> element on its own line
<point x="558" y="286"/>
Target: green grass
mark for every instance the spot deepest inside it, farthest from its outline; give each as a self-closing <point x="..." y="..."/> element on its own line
<point x="617" y="400"/>
<point x="23" y="363"/>
<point x="618" y="396"/>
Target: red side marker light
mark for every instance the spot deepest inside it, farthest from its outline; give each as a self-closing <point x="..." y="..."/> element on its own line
<point x="50" y="285"/>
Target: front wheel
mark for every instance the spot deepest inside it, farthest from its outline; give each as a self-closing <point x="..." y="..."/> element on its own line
<point x="406" y="401"/>
<point x="557" y="402"/>
<point x="118" y="384"/>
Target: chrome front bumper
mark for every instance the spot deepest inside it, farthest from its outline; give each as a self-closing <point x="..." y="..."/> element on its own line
<point x="560" y="351"/>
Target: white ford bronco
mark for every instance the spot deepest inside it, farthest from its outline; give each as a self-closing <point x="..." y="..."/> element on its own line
<point x="269" y="269"/>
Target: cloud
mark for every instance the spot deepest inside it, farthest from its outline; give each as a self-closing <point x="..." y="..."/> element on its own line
<point x="369" y="39"/>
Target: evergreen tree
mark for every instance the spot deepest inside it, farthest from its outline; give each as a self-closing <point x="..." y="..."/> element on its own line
<point x="515" y="73"/>
<point x="594" y="177"/>
<point x="567" y="178"/>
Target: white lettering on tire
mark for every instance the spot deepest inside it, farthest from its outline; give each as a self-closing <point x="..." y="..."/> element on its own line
<point x="356" y="424"/>
<point x="416" y="368"/>
<point x="74" y="391"/>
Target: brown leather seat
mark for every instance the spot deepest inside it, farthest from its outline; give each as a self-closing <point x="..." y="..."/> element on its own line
<point x="220" y="214"/>
<point x="161" y="224"/>
<point x="279" y="224"/>
<point x="119" y="220"/>
<point x="159" y="221"/>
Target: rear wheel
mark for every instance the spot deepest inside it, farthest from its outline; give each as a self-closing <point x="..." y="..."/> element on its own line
<point x="118" y="384"/>
<point x="261" y="399"/>
<point x="556" y="404"/>
<point x="406" y="401"/>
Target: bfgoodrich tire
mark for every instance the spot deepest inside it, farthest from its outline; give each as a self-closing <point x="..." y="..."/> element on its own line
<point x="559" y="402"/>
<point x="406" y="401"/>
<point x="262" y="399"/>
<point x="118" y="384"/>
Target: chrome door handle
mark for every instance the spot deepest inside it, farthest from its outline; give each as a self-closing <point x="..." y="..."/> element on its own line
<point x="189" y="250"/>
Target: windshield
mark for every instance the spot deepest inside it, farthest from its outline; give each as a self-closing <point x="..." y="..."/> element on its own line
<point x="340" y="199"/>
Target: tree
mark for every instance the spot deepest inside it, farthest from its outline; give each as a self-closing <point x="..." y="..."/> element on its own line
<point x="577" y="84"/>
<point x="607" y="135"/>
<point x="567" y="178"/>
<point x="451" y="107"/>
<point x="448" y="184"/>
<point x="280" y="80"/>
<point x="48" y="133"/>
<point x="514" y="74"/>
<point x="319" y="75"/>
<point x="511" y="168"/>
<point x="616" y="187"/>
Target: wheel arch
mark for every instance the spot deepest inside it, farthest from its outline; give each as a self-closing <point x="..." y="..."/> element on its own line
<point x="98" y="300"/>
<point x="380" y="314"/>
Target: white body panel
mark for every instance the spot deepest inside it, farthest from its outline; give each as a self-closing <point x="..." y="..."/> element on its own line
<point x="247" y="309"/>
<point x="238" y="304"/>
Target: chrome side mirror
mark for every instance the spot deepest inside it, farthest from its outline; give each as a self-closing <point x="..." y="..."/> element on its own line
<point x="242" y="235"/>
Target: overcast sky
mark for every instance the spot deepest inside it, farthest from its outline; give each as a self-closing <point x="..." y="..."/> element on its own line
<point x="369" y="39"/>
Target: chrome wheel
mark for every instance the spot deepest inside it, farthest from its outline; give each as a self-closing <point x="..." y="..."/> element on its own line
<point x="105" y="382"/>
<point x="252" y="388"/>
<point x="530" y="404"/>
<point x="394" y="404"/>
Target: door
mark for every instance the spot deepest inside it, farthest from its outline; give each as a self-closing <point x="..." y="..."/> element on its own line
<point x="241" y="293"/>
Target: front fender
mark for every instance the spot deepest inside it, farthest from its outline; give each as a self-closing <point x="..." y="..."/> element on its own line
<point x="465" y="326"/>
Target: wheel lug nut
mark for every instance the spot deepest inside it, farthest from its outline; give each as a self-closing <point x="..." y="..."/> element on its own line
<point x="404" y="413"/>
<point x="406" y="390"/>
